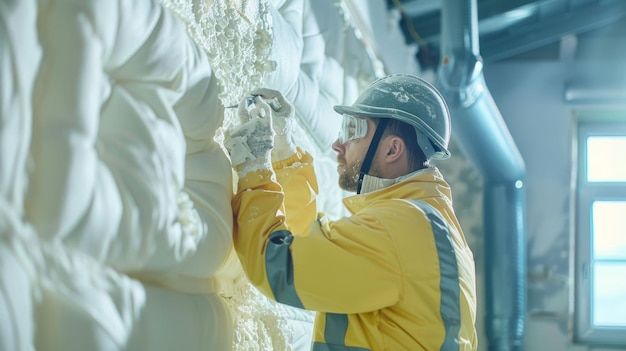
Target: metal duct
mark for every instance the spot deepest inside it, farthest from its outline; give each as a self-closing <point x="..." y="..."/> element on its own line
<point x="481" y="133"/>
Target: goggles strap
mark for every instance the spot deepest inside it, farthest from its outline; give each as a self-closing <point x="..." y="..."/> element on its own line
<point x="371" y="151"/>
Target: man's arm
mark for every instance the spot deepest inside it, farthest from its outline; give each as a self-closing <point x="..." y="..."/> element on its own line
<point x="346" y="266"/>
<point x="296" y="176"/>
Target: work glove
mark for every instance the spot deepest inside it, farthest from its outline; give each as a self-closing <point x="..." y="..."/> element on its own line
<point x="250" y="143"/>
<point x="283" y="122"/>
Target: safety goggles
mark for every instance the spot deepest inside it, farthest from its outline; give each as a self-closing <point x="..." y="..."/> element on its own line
<point x="352" y="128"/>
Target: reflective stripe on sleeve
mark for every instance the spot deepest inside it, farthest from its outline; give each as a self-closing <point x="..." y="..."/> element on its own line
<point x="449" y="272"/>
<point x="318" y="346"/>
<point x="335" y="335"/>
<point x="279" y="268"/>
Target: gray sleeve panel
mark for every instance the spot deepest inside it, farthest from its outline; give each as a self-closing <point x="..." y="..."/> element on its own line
<point x="335" y="335"/>
<point x="336" y="328"/>
<point x="279" y="268"/>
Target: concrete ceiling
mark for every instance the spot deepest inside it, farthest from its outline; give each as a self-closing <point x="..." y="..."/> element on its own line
<point x="525" y="29"/>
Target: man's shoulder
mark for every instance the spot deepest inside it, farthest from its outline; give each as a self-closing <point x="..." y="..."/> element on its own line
<point x="404" y="209"/>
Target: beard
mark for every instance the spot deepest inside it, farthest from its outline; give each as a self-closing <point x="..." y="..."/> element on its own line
<point x="349" y="176"/>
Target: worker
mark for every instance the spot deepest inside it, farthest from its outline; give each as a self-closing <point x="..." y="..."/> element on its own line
<point x="397" y="274"/>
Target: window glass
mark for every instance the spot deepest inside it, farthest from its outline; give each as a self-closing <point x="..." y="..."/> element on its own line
<point x="609" y="294"/>
<point x="609" y="230"/>
<point x="606" y="158"/>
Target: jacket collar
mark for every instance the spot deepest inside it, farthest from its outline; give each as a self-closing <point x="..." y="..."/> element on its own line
<point x="424" y="183"/>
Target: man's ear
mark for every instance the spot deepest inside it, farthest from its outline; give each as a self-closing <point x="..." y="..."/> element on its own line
<point x="395" y="148"/>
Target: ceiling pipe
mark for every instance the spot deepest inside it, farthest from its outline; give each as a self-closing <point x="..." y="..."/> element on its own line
<point x="482" y="135"/>
<point x="523" y="28"/>
<point x="528" y="36"/>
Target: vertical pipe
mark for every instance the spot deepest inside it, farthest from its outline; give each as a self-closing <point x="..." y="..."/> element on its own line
<point x="481" y="133"/>
<point x="505" y="270"/>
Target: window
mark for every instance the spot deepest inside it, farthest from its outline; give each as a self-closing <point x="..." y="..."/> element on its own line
<point x="600" y="261"/>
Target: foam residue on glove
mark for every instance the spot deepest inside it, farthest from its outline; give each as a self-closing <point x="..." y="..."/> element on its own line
<point x="250" y="145"/>
<point x="238" y="149"/>
<point x="283" y="122"/>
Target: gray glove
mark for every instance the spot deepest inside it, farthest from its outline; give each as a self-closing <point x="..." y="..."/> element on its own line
<point x="283" y="123"/>
<point x="250" y="143"/>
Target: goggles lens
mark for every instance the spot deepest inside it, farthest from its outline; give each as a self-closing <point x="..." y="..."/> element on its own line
<point x="352" y="128"/>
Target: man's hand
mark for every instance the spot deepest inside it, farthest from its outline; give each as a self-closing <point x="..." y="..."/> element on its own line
<point x="283" y="122"/>
<point x="250" y="143"/>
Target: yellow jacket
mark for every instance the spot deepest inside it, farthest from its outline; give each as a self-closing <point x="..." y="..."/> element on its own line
<point x="396" y="275"/>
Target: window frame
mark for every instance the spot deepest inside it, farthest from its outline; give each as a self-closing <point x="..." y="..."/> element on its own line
<point x="592" y="123"/>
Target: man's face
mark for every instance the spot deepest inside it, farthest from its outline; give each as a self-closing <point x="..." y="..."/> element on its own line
<point x="350" y="155"/>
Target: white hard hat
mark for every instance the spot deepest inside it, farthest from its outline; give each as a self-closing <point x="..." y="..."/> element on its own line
<point x="412" y="100"/>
